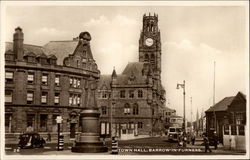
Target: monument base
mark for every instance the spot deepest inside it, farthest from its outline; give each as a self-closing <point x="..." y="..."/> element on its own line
<point x="89" y="147"/>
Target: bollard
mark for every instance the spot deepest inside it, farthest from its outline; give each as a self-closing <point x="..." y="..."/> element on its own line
<point x="114" y="145"/>
<point x="61" y="143"/>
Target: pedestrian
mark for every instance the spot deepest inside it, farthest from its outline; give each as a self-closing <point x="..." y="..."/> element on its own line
<point x="215" y="138"/>
<point x="193" y="138"/>
<point x="184" y="139"/>
<point x="48" y="137"/>
<point x="206" y="143"/>
<point x="180" y="140"/>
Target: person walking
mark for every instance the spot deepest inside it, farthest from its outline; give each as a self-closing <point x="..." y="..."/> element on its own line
<point x="206" y="143"/>
<point x="215" y="138"/>
<point x="193" y="138"/>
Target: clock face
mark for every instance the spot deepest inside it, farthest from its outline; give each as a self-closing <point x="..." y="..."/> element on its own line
<point x="149" y="42"/>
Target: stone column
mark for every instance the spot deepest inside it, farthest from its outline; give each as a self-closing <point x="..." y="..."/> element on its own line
<point x="89" y="141"/>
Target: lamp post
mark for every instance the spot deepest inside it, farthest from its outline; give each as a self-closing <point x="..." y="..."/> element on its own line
<point x="184" y="114"/>
<point x="58" y="121"/>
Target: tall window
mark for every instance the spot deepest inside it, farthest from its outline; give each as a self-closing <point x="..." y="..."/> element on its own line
<point x="78" y="83"/>
<point x="140" y="125"/>
<point x="57" y="80"/>
<point x="131" y="94"/>
<point x="104" y="94"/>
<point x="135" y="109"/>
<point x="30" y="97"/>
<point x="45" y="79"/>
<point x="43" y="122"/>
<point x="31" y="121"/>
<point x="70" y="81"/>
<point x="57" y="98"/>
<point x="9" y="77"/>
<point x="104" y="110"/>
<point x="126" y="109"/>
<point x="8" y="96"/>
<point x="44" y="97"/>
<point x="75" y="99"/>
<point x="30" y="78"/>
<point x="140" y="94"/>
<point x="122" y="94"/>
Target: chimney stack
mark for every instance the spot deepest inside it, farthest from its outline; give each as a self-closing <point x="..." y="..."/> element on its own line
<point x="18" y="43"/>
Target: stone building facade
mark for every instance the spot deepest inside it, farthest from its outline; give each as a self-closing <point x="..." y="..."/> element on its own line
<point x="38" y="89"/>
<point x="134" y="101"/>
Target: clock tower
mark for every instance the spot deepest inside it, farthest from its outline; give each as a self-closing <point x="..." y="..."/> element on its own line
<point x="150" y="44"/>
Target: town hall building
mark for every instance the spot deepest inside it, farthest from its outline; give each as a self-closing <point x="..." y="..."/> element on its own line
<point x="134" y="101"/>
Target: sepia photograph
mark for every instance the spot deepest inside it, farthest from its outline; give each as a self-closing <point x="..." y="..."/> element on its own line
<point x="124" y="80"/>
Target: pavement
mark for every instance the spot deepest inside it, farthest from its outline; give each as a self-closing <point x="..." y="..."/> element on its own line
<point x="145" y="146"/>
<point x="220" y="148"/>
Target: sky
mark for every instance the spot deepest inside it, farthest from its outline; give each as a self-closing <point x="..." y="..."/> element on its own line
<point x="192" y="38"/>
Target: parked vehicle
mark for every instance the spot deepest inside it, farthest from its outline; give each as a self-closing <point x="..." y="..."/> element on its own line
<point x="31" y="140"/>
<point x="173" y="133"/>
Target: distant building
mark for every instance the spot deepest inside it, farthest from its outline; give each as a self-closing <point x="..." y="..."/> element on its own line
<point x="230" y="116"/>
<point x="134" y="101"/>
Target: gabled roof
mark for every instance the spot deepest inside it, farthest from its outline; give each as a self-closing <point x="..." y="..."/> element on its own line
<point x="60" y="49"/>
<point x="135" y="67"/>
<point x="27" y="48"/>
<point x="221" y="105"/>
<point x="104" y="80"/>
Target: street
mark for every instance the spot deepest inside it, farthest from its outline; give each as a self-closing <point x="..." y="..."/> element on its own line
<point x="144" y="146"/>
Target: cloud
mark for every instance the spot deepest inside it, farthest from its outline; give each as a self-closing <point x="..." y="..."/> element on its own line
<point x="194" y="63"/>
<point x="118" y="20"/>
<point x="115" y="54"/>
<point x="50" y="31"/>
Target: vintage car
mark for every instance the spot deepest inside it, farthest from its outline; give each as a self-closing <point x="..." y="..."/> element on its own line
<point x="31" y="140"/>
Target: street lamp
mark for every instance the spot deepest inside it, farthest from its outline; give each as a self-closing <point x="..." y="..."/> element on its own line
<point x="58" y="121"/>
<point x="184" y="115"/>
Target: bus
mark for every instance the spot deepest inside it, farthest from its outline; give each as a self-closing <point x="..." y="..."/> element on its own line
<point x="173" y="133"/>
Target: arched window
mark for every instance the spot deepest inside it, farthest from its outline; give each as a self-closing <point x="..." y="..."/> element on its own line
<point x="135" y="109"/>
<point x="126" y="109"/>
<point x="152" y="59"/>
<point x="146" y="58"/>
<point x="140" y="94"/>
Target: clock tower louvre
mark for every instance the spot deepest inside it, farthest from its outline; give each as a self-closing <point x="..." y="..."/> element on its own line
<point x="150" y="44"/>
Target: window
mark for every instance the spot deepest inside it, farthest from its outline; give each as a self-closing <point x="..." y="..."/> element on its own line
<point x="70" y="81"/>
<point x="135" y="109"/>
<point x="44" y="97"/>
<point x="104" y="94"/>
<point x="233" y="130"/>
<point x="78" y="100"/>
<point x="131" y="94"/>
<point x="239" y="118"/>
<point x="57" y="80"/>
<point x="8" y="119"/>
<point x="70" y="99"/>
<point x="74" y="83"/>
<point x="8" y="96"/>
<point x="31" y="121"/>
<point x="126" y="109"/>
<point x="241" y="129"/>
<point x="57" y="98"/>
<point x="9" y="77"/>
<point x="140" y="94"/>
<point x="226" y="129"/>
<point x="122" y="94"/>
<point x="45" y="79"/>
<point x="153" y="111"/>
<point x="43" y="122"/>
<point x="78" y="83"/>
<point x="31" y="78"/>
<point x="75" y="99"/>
<point x="104" y="110"/>
<point x="78" y="63"/>
<point x="30" y="97"/>
<point x="140" y="125"/>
